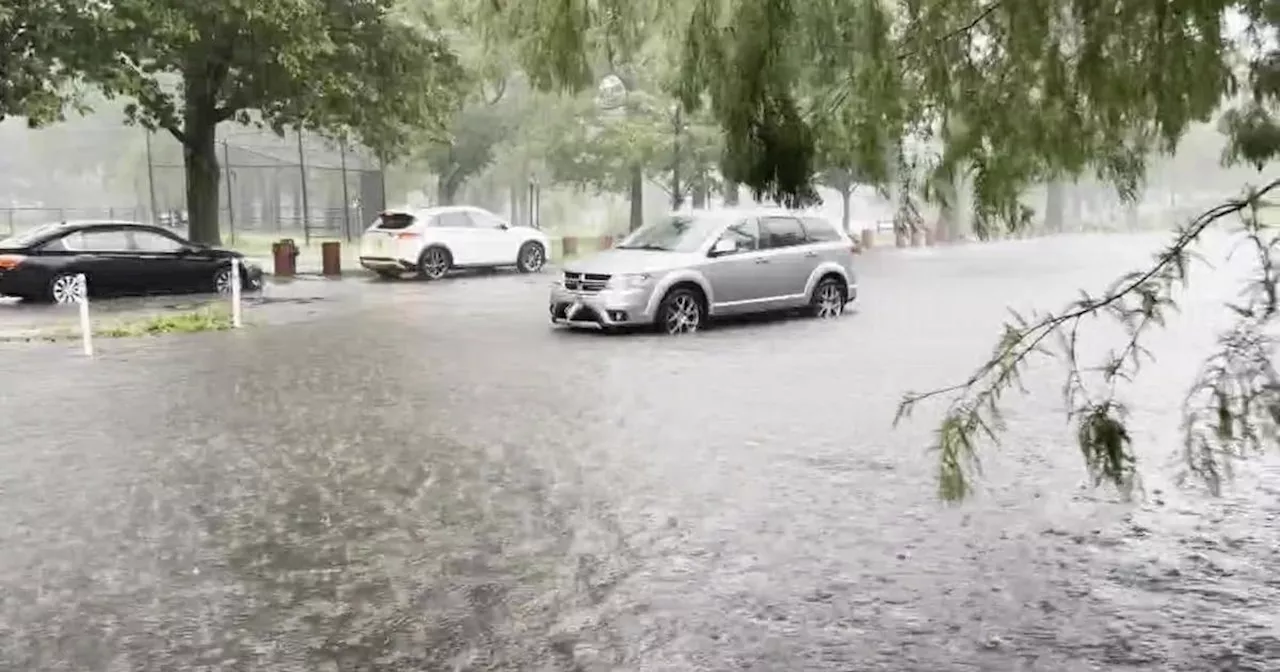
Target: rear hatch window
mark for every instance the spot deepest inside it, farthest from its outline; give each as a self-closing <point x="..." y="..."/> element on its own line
<point x="394" y="221"/>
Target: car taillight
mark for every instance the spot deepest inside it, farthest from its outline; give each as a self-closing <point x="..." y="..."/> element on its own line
<point x="8" y="262"/>
<point x="405" y="236"/>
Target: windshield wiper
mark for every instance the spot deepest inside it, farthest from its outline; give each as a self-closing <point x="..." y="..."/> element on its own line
<point x="644" y="246"/>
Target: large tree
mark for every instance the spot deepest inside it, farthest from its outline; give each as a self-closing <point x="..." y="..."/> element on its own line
<point x="354" y="68"/>
<point x="1015" y="93"/>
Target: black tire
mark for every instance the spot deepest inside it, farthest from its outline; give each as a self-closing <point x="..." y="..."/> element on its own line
<point x="828" y="299"/>
<point x="434" y="263"/>
<point x="531" y="258"/>
<point x="682" y="311"/>
<point x="222" y="280"/>
<point x="59" y="285"/>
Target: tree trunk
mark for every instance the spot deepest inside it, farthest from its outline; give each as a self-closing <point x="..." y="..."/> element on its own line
<point x="845" y="195"/>
<point x="700" y="192"/>
<point x="1054" y="204"/>
<point x="730" y="193"/>
<point x="637" y="198"/>
<point x="446" y="191"/>
<point x="200" y="162"/>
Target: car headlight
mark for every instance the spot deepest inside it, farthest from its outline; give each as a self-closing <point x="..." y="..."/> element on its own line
<point x="629" y="281"/>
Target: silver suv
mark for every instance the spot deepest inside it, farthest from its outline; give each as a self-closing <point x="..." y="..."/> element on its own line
<point x="678" y="272"/>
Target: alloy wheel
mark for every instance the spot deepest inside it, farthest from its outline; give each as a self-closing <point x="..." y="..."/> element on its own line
<point x="684" y="316"/>
<point x="435" y="263"/>
<point x="67" y="289"/>
<point x="533" y="258"/>
<point x="830" y="301"/>
<point x="222" y="281"/>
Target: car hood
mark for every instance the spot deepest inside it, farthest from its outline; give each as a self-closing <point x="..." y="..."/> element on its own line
<point x="613" y="262"/>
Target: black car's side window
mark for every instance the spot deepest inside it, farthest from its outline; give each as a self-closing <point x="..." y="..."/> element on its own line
<point x="105" y="240"/>
<point x="149" y="241"/>
<point x="745" y="236"/>
<point x="779" y="232"/>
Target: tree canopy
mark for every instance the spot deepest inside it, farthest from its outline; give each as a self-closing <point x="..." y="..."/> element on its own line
<point x="362" y="70"/>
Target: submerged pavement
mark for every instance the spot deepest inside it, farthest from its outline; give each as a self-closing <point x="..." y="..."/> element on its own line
<point x="426" y="476"/>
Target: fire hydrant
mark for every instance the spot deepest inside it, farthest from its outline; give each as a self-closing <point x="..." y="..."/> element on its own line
<point x="284" y="254"/>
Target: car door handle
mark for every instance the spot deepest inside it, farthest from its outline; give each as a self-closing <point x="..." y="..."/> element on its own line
<point x="810" y="254"/>
<point x="762" y="260"/>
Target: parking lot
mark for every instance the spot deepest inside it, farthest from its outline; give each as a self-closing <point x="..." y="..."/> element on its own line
<point x="412" y="475"/>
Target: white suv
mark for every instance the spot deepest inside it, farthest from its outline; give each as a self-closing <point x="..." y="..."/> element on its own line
<point x="431" y="241"/>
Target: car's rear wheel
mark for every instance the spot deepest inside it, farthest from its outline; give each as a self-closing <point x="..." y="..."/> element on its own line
<point x="681" y="312"/>
<point x="532" y="257"/>
<point x="828" y="299"/>
<point x="434" y="263"/>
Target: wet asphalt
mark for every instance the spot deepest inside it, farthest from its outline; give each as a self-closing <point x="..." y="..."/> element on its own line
<point x="426" y="476"/>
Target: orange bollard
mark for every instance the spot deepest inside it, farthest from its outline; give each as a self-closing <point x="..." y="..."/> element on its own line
<point x="868" y="239"/>
<point x="331" y="258"/>
<point x="284" y="255"/>
<point x="569" y="246"/>
<point x="917" y="238"/>
<point x="606" y="242"/>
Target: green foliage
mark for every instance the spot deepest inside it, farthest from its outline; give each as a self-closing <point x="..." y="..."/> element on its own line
<point x="32" y="77"/>
<point x="356" y="68"/>
<point x="471" y="146"/>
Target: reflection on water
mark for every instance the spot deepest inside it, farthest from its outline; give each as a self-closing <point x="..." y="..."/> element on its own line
<point x="427" y="478"/>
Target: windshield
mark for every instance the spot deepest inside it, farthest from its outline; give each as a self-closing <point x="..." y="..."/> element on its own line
<point x="29" y="236"/>
<point x="678" y="233"/>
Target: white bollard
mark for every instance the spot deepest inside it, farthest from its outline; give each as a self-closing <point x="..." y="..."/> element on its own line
<point x="235" y="292"/>
<point x="86" y="331"/>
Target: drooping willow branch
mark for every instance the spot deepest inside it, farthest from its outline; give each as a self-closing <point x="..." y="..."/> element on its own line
<point x="1233" y="407"/>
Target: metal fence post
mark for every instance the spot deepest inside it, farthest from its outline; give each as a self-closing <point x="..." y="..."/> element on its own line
<point x="346" y="198"/>
<point x="306" y="207"/>
<point x="231" y="206"/>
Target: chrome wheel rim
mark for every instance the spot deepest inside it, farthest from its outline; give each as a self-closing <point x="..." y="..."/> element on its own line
<point x="684" y="316"/>
<point x="222" y="281"/>
<point x="66" y="289"/>
<point x="533" y="258"/>
<point x="435" y="263"/>
<point x="830" y="301"/>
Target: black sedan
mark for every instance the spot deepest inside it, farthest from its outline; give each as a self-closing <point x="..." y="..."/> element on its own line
<point x="116" y="258"/>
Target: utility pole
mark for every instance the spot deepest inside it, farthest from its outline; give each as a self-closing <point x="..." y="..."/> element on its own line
<point x="346" y="199"/>
<point x="306" y="208"/>
<point x="151" y="178"/>
<point x="231" y="205"/>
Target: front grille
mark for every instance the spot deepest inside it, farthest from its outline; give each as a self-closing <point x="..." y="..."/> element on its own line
<point x="585" y="282"/>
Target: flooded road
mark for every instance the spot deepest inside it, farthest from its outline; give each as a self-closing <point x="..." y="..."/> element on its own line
<point x="426" y="476"/>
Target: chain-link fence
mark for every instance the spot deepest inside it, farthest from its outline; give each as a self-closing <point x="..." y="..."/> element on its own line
<point x="301" y="186"/>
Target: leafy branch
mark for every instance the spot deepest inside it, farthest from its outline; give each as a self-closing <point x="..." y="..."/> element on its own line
<point x="1233" y="407"/>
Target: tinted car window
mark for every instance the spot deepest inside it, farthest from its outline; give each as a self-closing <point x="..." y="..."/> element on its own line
<point x="454" y="220"/>
<point x="818" y="230"/>
<point x="108" y="240"/>
<point x="781" y="232"/>
<point x="393" y="221"/>
<point x="744" y="234"/>
<point x="149" y="241"/>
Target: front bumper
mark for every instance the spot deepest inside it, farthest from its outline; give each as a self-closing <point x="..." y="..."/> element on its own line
<point x="600" y="310"/>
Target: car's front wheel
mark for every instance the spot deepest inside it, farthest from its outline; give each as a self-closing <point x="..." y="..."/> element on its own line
<point x="532" y="257"/>
<point x="64" y="288"/>
<point x="828" y="299"/>
<point x="222" y="280"/>
<point x="681" y="312"/>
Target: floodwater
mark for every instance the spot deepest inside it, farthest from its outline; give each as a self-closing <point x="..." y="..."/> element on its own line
<point x="426" y="476"/>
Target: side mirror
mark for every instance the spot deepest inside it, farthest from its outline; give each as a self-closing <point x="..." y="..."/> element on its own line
<point x="722" y="247"/>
